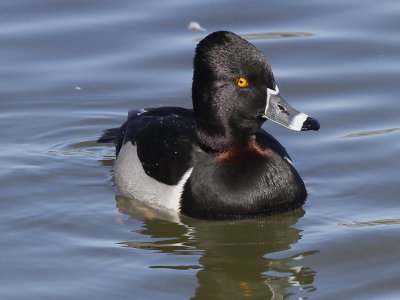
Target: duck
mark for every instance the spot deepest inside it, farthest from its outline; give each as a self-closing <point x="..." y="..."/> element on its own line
<point x="214" y="161"/>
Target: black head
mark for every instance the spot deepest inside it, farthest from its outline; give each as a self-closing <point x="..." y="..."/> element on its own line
<point x="230" y="82"/>
<point x="234" y="92"/>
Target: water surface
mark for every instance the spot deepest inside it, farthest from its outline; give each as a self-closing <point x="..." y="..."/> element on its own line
<point x="73" y="68"/>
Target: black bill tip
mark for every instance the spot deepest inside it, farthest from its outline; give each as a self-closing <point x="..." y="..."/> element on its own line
<point x="310" y="124"/>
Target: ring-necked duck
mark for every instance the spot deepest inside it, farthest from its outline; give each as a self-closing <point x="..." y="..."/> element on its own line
<point x="214" y="161"/>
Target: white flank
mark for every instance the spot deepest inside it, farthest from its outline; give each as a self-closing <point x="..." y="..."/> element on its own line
<point x="133" y="182"/>
<point x="298" y="121"/>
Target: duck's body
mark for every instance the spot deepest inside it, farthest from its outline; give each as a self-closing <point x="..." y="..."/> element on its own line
<point x="214" y="161"/>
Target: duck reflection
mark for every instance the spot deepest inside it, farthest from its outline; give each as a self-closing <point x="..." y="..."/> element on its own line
<point x="234" y="255"/>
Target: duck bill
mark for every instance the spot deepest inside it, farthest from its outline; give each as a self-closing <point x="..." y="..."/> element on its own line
<point x="279" y="111"/>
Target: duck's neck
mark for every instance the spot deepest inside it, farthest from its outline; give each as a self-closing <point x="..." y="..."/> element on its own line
<point x="212" y="128"/>
<point x="214" y="138"/>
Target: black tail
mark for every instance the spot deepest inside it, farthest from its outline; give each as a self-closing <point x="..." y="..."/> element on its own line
<point x="111" y="135"/>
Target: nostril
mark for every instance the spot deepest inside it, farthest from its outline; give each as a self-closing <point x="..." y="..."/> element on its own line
<point x="283" y="109"/>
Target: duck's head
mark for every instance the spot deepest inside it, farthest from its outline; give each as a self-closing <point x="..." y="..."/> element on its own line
<point x="234" y="92"/>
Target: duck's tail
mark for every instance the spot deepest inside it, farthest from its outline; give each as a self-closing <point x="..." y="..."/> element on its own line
<point x="115" y="136"/>
<point x="111" y="135"/>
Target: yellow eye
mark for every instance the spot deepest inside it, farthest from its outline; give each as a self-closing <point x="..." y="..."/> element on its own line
<point x="242" y="82"/>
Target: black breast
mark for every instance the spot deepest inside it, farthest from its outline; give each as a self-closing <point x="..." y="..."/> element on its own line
<point x="236" y="188"/>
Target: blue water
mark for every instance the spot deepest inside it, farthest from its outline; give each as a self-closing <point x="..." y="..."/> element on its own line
<point x="70" y="69"/>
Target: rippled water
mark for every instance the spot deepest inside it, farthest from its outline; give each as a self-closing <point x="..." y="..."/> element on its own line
<point x="70" y="69"/>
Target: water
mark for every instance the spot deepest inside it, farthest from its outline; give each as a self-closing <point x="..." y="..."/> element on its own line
<point x="70" y="69"/>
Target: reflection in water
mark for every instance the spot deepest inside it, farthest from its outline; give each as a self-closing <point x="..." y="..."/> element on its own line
<point x="270" y="35"/>
<point x="372" y="223"/>
<point x="80" y="147"/>
<point x="274" y="35"/>
<point x="234" y="259"/>
<point x="370" y="133"/>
